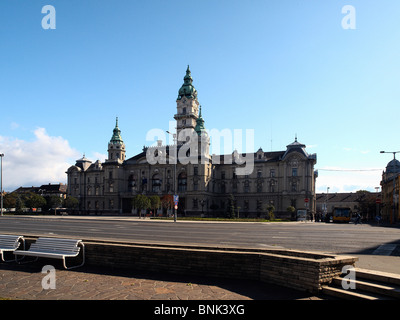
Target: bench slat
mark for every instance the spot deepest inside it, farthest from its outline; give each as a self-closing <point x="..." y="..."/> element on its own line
<point x="45" y="254"/>
<point x="10" y="243"/>
<point x="55" y="248"/>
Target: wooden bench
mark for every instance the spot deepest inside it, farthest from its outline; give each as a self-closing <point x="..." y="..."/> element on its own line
<point x="10" y="243"/>
<point x="55" y="248"/>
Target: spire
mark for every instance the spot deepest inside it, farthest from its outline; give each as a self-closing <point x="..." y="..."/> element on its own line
<point x="200" y="129"/>
<point x="116" y="137"/>
<point x="187" y="90"/>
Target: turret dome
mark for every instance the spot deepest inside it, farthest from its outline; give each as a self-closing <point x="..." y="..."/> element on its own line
<point x="187" y="90"/>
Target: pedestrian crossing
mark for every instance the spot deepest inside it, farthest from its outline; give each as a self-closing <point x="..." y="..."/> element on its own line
<point x="385" y="249"/>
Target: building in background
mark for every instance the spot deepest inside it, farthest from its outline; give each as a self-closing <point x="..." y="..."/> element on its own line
<point x="367" y="204"/>
<point x="391" y="191"/>
<point x="45" y="190"/>
<point x="209" y="185"/>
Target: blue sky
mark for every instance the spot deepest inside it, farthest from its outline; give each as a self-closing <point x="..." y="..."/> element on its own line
<point x="279" y="67"/>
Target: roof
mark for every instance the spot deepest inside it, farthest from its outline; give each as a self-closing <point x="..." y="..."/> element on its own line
<point x="44" y="189"/>
<point x="272" y="156"/>
<point x="116" y="137"/>
<point x="342" y="197"/>
<point x="393" y="166"/>
<point x="296" y="147"/>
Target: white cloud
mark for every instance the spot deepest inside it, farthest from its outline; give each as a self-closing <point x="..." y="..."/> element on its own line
<point x="345" y="180"/>
<point x="14" y="125"/>
<point x="32" y="163"/>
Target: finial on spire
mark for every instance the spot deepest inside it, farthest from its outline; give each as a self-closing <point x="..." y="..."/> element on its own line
<point x="295" y="137"/>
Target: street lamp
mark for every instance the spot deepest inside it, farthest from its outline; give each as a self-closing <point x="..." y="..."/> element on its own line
<point x="394" y="187"/>
<point x="175" y="161"/>
<point x="1" y="182"/>
<point x="326" y="204"/>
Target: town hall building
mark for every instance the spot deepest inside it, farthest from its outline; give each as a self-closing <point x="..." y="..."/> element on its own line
<point x="208" y="185"/>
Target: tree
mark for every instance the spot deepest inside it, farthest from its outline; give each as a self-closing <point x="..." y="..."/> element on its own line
<point x="71" y="203"/>
<point x="291" y="210"/>
<point x="270" y="211"/>
<point x="19" y="204"/>
<point x="167" y="201"/>
<point x="141" y="202"/>
<point x="231" y="207"/>
<point x="154" y="203"/>
<point x="35" y="201"/>
<point x="53" y="202"/>
<point x="10" y="200"/>
<point x="366" y="203"/>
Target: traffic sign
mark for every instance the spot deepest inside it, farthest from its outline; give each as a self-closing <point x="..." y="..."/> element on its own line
<point x="306" y="200"/>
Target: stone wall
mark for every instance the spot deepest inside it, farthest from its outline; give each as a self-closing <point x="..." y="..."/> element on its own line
<point x="300" y="270"/>
<point x="294" y="269"/>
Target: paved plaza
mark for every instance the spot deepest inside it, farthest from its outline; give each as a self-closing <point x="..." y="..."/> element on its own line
<point x="24" y="282"/>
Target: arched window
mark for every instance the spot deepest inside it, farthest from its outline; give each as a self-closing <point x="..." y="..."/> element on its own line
<point x="182" y="182"/>
<point x="156" y="183"/>
<point x="131" y="183"/>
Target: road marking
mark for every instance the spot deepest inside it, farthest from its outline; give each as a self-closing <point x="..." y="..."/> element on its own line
<point x="277" y="237"/>
<point x="385" y="249"/>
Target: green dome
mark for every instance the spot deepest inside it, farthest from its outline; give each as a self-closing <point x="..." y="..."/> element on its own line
<point x="116" y="137"/>
<point x="200" y="128"/>
<point x="187" y="90"/>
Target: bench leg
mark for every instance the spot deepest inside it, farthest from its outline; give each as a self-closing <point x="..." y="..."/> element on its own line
<point x="16" y="257"/>
<point x="23" y="262"/>
<point x="83" y="259"/>
<point x="2" y="257"/>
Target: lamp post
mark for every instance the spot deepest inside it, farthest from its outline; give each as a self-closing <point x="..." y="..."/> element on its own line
<point x="394" y="187"/>
<point x="202" y="202"/>
<point x="1" y="182"/>
<point x="175" y="161"/>
<point x="326" y="204"/>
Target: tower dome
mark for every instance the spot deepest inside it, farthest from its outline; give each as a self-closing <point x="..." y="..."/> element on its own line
<point x="393" y="167"/>
<point x="187" y="90"/>
<point x="200" y="128"/>
<point x="116" y="137"/>
<point x="116" y="146"/>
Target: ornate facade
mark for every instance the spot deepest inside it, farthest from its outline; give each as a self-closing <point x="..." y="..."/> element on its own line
<point x="391" y="191"/>
<point x="206" y="185"/>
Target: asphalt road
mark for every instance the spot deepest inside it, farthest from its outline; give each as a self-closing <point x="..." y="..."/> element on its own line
<point x="334" y="238"/>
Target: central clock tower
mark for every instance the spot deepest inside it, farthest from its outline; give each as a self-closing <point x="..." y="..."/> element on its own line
<point x="187" y="105"/>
